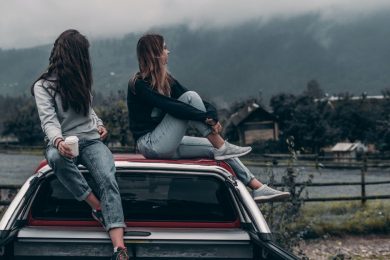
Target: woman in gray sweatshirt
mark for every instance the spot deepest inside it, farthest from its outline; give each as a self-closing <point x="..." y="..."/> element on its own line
<point x="63" y="98"/>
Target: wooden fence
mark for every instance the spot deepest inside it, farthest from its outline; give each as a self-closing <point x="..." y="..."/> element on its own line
<point x="363" y="197"/>
<point x="363" y="165"/>
<point x="7" y="192"/>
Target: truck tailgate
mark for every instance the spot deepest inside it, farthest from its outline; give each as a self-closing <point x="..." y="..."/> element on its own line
<point x="144" y="243"/>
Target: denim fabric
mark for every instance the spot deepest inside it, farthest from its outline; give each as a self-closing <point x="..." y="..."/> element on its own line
<point x="168" y="140"/>
<point x="98" y="159"/>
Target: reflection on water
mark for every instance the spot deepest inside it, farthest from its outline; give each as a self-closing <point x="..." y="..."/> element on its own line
<point x="16" y="168"/>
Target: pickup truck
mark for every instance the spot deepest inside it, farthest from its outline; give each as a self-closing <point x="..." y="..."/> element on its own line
<point x="174" y="209"/>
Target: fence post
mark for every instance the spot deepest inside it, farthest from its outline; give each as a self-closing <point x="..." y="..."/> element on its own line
<point x="363" y="179"/>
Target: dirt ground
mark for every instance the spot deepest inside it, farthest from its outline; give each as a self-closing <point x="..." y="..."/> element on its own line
<point x="349" y="247"/>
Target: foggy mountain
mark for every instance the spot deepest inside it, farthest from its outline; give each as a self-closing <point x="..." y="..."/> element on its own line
<point x="238" y="62"/>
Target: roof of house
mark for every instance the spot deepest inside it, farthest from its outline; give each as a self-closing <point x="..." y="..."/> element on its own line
<point x="245" y="112"/>
<point x="346" y="147"/>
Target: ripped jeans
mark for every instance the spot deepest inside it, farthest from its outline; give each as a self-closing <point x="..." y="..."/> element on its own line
<point x="168" y="140"/>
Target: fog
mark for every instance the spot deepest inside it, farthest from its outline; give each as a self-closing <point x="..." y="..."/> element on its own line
<point x="27" y="23"/>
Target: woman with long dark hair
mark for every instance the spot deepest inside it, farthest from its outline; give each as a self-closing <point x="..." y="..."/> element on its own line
<point x="160" y="110"/>
<point x="63" y="98"/>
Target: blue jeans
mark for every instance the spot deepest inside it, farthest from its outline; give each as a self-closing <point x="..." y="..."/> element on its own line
<point x="98" y="159"/>
<point x="168" y="140"/>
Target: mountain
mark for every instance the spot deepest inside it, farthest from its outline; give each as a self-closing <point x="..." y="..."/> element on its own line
<point x="226" y="64"/>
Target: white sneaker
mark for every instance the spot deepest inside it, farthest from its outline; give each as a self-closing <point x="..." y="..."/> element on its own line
<point x="265" y="193"/>
<point x="229" y="150"/>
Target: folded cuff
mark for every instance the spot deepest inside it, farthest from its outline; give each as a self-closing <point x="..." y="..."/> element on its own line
<point x="115" y="225"/>
<point x="85" y="195"/>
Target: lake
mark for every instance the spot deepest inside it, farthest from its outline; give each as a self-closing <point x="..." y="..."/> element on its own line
<point x="16" y="168"/>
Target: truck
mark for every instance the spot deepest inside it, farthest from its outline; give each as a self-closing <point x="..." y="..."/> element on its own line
<point x="173" y="209"/>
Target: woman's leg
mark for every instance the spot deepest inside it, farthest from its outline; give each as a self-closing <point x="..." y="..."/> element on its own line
<point x="163" y="141"/>
<point x="68" y="174"/>
<point x="98" y="159"/>
<point x="198" y="147"/>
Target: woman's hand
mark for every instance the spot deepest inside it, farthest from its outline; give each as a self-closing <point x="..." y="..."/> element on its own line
<point x="64" y="149"/>
<point x="210" y="121"/>
<point x="217" y="128"/>
<point x="103" y="132"/>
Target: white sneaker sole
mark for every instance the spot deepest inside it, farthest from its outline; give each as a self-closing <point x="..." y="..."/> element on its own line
<point x="274" y="197"/>
<point x="228" y="156"/>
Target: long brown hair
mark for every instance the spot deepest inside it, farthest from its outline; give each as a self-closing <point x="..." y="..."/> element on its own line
<point x="150" y="48"/>
<point x="70" y="66"/>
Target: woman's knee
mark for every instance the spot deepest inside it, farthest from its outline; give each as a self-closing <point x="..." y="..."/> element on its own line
<point x="190" y="97"/>
<point x="54" y="158"/>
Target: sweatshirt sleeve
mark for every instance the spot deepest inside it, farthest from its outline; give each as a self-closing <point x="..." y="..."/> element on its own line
<point x="99" y="122"/>
<point x="211" y="110"/>
<point x="47" y="113"/>
<point x="169" y="105"/>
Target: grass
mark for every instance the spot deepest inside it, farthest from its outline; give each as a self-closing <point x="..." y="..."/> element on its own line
<point x="342" y="218"/>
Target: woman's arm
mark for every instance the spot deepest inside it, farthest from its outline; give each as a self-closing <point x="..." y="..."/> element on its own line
<point x="169" y="105"/>
<point x="209" y="108"/>
<point x="100" y="126"/>
<point x="47" y="113"/>
<point x="99" y="122"/>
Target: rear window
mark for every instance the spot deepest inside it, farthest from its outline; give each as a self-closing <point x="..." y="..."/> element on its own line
<point x="146" y="197"/>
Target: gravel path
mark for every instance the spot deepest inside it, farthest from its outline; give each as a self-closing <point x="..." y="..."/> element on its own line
<point x="349" y="247"/>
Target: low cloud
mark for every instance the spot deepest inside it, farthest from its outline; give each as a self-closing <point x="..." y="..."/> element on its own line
<point x="26" y="23"/>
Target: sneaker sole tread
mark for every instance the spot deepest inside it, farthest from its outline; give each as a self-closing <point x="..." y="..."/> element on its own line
<point x="274" y="197"/>
<point x="224" y="157"/>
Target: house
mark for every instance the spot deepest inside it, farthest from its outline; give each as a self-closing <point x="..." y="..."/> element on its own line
<point x="10" y="139"/>
<point x="253" y="123"/>
<point x="344" y="152"/>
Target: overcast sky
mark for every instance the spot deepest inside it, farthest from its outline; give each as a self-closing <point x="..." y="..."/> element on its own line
<point x="27" y="23"/>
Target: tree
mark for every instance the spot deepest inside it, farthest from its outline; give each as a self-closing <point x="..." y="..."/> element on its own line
<point x="114" y="114"/>
<point x="313" y="89"/>
<point x="356" y="119"/>
<point x="283" y="106"/>
<point x="25" y="124"/>
<point x="305" y="119"/>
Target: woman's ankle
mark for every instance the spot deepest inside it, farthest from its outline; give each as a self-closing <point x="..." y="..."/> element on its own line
<point x="216" y="140"/>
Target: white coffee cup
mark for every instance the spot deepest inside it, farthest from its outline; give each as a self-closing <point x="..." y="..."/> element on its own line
<point x="73" y="143"/>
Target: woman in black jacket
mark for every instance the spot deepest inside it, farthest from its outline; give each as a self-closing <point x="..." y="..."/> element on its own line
<point x="160" y="110"/>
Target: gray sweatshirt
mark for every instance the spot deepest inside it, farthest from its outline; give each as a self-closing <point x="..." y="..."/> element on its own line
<point x="55" y="122"/>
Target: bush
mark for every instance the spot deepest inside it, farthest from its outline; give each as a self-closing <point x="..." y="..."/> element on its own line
<point x="268" y="146"/>
<point x="282" y="217"/>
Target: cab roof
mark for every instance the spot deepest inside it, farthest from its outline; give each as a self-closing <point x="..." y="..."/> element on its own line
<point x="140" y="158"/>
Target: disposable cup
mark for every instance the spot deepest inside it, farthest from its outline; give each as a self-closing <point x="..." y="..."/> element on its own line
<point x="73" y="143"/>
